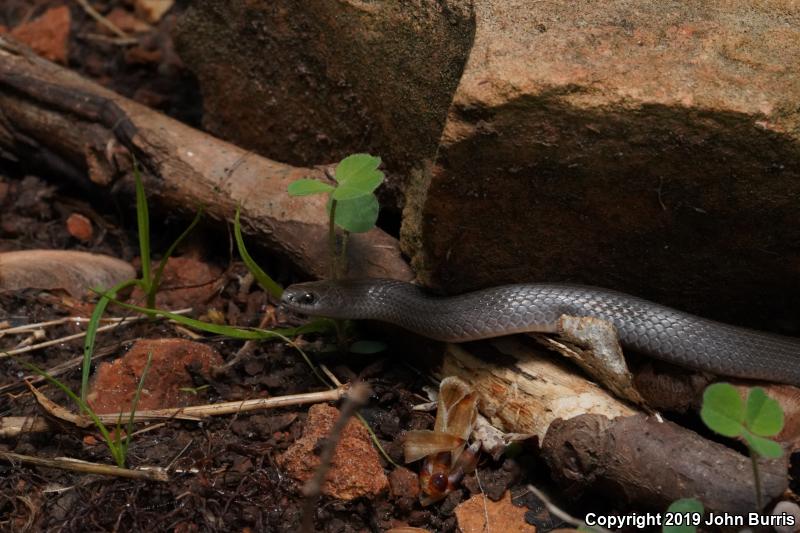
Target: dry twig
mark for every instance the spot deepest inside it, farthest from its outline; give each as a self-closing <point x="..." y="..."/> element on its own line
<point x="65" y="463"/>
<point x="82" y="334"/>
<point x="92" y="12"/>
<point x="358" y="396"/>
<point x="13" y="426"/>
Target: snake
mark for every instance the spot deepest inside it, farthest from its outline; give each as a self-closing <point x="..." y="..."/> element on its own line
<point x="649" y="328"/>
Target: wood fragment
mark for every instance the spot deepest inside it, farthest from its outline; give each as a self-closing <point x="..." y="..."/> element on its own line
<point x="74" y="465"/>
<point x="14" y="426"/>
<point x="61" y="340"/>
<point x="651" y="463"/>
<point x="92" y="12"/>
<point x="86" y="133"/>
<point x="593" y="442"/>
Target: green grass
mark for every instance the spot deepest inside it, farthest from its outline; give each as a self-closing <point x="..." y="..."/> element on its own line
<point x="117" y="445"/>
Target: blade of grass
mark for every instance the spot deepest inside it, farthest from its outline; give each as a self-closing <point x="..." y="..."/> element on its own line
<point x="143" y="225"/>
<point x="84" y="407"/>
<point x="375" y="440"/>
<point x="156" y="283"/>
<point x="135" y="403"/>
<point x="91" y="332"/>
<point x="262" y="277"/>
<point x="317" y="326"/>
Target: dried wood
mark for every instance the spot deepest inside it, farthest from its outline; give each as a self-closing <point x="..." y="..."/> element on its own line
<point x="66" y="124"/>
<point x="595" y="443"/>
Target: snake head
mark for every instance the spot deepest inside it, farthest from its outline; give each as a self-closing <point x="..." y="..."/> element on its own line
<point x="319" y="298"/>
<point x="307" y="298"/>
<point x="349" y="299"/>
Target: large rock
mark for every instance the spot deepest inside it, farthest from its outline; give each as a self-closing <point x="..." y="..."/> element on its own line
<point x="309" y="82"/>
<point x="652" y="147"/>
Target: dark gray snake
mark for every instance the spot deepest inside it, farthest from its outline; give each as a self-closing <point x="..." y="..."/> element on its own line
<point x="646" y="327"/>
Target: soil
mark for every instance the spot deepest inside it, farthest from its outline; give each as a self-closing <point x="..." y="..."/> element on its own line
<point x="224" y="472"/>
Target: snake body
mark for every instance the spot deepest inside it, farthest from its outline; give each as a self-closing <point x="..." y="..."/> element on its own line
<point x="647" y="327"/>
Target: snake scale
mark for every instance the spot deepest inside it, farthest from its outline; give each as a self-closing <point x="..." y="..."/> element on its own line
<point x="649" y="328"/>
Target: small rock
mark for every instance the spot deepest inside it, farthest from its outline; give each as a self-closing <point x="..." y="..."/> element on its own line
<point x="355" y="470"/>
<point x="450" y="502"/>
<point x="502" y="515"/>
<point x="72" y="271"/>
<point x="791" y="509"/>
<point x="80" y="227"/>
<point x="186" y="282"/>
<point x="495" y="482"/>
<point x="116" y="382"/>
<point x="403" y="483"/>
<point x="419" y="517"/>
<point x="48" y="35"/>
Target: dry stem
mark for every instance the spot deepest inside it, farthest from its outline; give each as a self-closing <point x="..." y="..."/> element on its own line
<point x="64" y="463"/>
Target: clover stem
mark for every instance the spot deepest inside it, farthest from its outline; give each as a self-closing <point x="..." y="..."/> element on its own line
<point x="343" y="255"/>
<point x="756" y="477"/>
<point x="335" y="271"/>
<point x="332" y="241"/>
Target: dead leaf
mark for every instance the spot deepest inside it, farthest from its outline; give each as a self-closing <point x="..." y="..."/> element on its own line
<point x="56" y="411"/>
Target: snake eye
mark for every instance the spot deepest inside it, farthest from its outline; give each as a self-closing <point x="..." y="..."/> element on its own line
<point x="308" y="298"/>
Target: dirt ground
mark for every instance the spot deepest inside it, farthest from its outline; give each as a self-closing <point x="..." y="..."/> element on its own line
<point x="225" y="473"/>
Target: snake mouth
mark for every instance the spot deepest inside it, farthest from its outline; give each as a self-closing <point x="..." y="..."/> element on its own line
<point x="287" y="309"/>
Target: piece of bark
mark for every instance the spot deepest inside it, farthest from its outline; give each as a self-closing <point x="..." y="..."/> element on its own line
<point x="524" y="389"/>
<point x="65" y="123"/>
<point x="653" y="463"/>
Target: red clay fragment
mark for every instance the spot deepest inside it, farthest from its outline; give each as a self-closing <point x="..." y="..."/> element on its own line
<point x="355" y="470"/>
<point x="403" y="483"/>
<point x="80" y="227"/>
<point x="186" y="282"/>
<point x="502" y="515"/>
<point x="115" y="384"/>
<point x="48" y="35"/>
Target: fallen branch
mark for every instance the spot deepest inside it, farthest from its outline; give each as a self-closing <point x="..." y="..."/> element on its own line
<point x="86" y="133"/>
<point x="654" y="463"/>
<point x="593" y="442"/>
